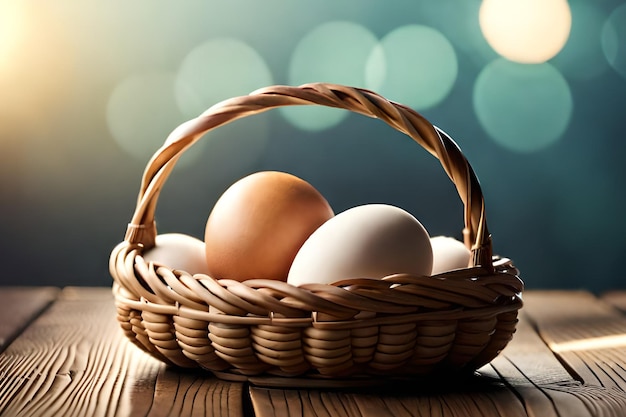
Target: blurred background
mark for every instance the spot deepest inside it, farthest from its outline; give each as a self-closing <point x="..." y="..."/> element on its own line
<point x="535" y="97"/>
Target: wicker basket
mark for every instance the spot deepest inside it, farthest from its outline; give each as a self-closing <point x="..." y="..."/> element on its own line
<point x="353" y="331"/>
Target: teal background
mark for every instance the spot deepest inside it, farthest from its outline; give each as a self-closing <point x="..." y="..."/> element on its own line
<point x="68" y="188"/>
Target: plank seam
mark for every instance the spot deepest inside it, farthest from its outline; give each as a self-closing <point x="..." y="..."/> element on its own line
<point x="570" y="370"/>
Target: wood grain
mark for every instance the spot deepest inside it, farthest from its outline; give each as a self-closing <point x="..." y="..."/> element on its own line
<point x="480" y="398"/>
<point x="74" y="361"/>
<point x="567" y="359"/>
<point x="552" y="326"/>
<point x="19" y="306"/>
<point x="587" y="335"/>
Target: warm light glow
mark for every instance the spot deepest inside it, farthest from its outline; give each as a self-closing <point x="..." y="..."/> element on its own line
<point x="529" y="31"/>
<point x="592" y="343"/>
<point x="9" y="28"/>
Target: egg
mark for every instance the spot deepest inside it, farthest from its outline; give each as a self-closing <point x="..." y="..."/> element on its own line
<point x="368" y="241"/>
<point x="178" y="251"/>
<point x="260" y="222"/>
<point x="448" y="254"/>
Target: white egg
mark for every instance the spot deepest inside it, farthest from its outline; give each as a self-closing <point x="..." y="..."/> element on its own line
<point x="448" y="254"/>
<point x="178" y="251"/>
<point x="369" y="241"/>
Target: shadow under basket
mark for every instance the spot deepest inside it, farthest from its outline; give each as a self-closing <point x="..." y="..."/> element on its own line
<point x="357" y="331"/>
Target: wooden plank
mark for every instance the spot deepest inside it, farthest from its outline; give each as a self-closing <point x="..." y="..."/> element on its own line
<point x="479" y="399"/>
<point x="182" y="393"/>
<point x="530" y="369"/>
<point x="74" y="361"/>
<point x="587" y="334"/>
<point x="589" y="337"/>
<point x="19" y="306"/>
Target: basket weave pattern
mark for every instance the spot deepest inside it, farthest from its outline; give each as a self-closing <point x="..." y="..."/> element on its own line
<point x="402" y="325"/>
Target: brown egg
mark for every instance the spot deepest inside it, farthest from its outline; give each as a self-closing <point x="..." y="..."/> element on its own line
<point x="258" y="225"/>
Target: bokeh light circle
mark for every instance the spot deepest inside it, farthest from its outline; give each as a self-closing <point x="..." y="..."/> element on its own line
<point x="420" y="66"/>
<point x="217" y="70"/>
<point x="582" y="56"/>
<point x="141" y="112"/>
<point x="522" y="107"/>
<point x="529" y="31"/>
<point x="614" y="39"/>
<point x="334" y="52"/>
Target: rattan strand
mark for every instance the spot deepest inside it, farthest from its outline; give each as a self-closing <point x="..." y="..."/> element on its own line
<point x="355" y="330"/>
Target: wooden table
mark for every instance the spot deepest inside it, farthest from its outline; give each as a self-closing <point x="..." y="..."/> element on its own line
<point x="63" y="354"/>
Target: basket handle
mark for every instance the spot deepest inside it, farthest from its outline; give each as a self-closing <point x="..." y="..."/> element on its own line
<point x="142" y="230"/>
